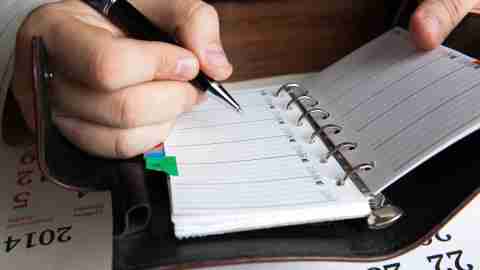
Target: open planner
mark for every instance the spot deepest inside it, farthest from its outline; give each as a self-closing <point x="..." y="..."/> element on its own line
<point x="323" y="148"/>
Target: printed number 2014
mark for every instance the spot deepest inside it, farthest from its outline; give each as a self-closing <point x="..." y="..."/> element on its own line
<point x="43" y="238"/>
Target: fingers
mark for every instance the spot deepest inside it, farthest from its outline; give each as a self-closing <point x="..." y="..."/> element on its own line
<point x="435" y="19"/>
<point x="199" y="30"/>
<point x="196" y="25"/>
<point x="144" y="104"/>
<point x="144" y="84"/>
<point x="93" y="56"/>
<point x="111" y="142"/>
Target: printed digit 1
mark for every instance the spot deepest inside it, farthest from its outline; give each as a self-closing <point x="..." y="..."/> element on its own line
<point x="30" y="243"/>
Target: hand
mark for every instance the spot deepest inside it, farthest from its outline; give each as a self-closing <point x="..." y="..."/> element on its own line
<point x="435" y="19"/>
<point x="113" y="96"/>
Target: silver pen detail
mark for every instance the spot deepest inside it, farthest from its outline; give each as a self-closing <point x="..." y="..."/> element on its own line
<point x="223" y="95"/>
<point x="102" y="6"/>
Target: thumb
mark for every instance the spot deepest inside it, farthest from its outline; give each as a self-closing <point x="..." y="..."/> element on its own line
<point x="198" y="28"/>
<point x="476" y="9"/>
<point x="435" y="19"/>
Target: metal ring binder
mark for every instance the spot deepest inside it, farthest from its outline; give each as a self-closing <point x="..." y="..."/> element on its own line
<point x="288" y="88"/>
<point x="306" y="97"/>
<point x="361" y="167"/>
<point x="309" y="112"/>
<point x="383" y="214"/>
<point x="377" y="201"/>
<point x="321" y="133"/>
<point x="338" y="148"/>
<point x="327" y="129"/>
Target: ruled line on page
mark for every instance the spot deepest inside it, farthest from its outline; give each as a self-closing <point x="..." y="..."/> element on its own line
<point x="454" y="130"/>
<point x="227" y="142"/>
<point x="352" y="66"/>
<point x="247" y="100"/>
<point x="235" y="161"/>
<point x="284" y="167"/>
<point x="227" y="124"/>
<point x="376" y="146"/>
<point x="255" y="207"/>
<point x="219" y="108"/>
<point x="270" y="180"/>
<point x="360" y="82"/>
<point x="373" y="65"/>
<point x="448" y="118"/>
<point x="385" y="88"/>
<point x="371" y="121"/>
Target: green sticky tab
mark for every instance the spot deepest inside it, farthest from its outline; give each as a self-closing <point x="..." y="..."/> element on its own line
<point x="166" y="164"/>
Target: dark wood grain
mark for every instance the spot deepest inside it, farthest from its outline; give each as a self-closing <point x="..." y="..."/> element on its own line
<point x="265" y="38"/>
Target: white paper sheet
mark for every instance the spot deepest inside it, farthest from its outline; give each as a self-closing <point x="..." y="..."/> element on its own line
<point x="254" y="170"/>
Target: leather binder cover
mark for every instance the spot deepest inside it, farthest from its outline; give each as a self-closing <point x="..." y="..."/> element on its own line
<point x="430" y="196"/>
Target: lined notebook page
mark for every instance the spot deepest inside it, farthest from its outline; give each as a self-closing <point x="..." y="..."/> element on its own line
<point x="401" y="105"/>
<point x="252" y="170"/>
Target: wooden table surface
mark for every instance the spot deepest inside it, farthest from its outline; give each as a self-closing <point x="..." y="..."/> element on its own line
<point x="271" y="37"/>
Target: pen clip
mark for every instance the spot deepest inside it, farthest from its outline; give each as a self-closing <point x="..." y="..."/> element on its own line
<point x="102" y="6"/>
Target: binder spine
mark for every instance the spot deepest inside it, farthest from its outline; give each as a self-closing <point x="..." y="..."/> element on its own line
<point x="297" y="93"/>
<point x="383" y="213"/>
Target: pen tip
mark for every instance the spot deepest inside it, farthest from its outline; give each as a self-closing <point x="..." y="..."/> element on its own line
<point x="239" y="110"/>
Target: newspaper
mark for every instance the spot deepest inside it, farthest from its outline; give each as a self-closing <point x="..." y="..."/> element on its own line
<point x="46" y="227"/>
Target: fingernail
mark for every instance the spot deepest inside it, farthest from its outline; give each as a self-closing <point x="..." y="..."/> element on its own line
<point x="186" y="67"/>
<point x="216" y="57"/>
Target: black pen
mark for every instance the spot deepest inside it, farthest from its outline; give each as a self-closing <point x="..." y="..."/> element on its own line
<point x="129" y="19"/>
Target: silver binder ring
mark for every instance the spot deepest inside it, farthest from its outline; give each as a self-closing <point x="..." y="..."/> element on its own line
<point x="287" y="88"/>
<point x="300" y="98"/>
<point x="361" y="167"/>
<point x="327" y="129"/>
<point x="377" y="201"/>
<point x="324" y="114"/>
<point x="339" y="148"/>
